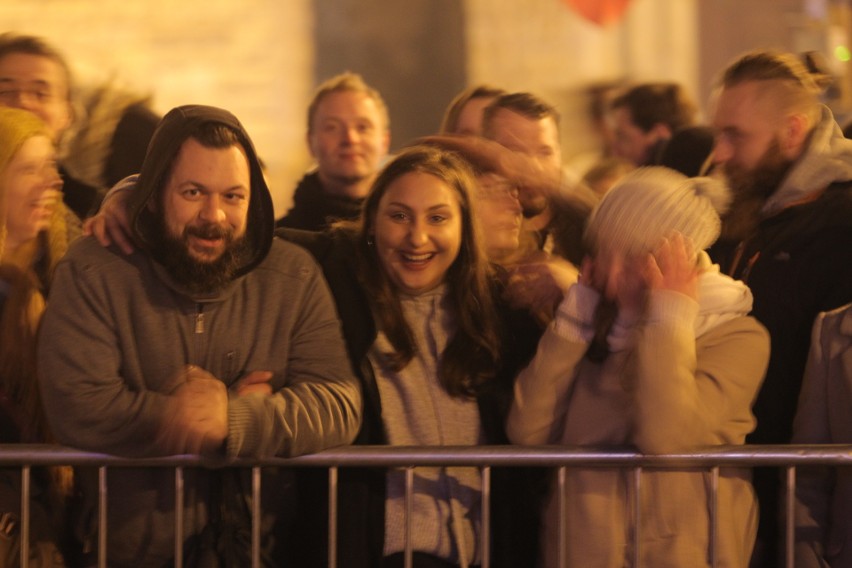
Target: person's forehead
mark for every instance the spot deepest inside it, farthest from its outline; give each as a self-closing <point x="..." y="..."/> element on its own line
<point x="34" y="147"/>
<point x="472" y="109"/>
<point x="31" y="68"/>
<point x="622" y="117"/>
<point x="741" y="104"/>
<point x="193" y="157"/>
<point x="508" y="125"/>
<point x="419" y="190"/>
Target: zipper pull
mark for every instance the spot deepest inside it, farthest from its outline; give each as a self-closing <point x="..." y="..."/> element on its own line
<point x="199" y="321"/>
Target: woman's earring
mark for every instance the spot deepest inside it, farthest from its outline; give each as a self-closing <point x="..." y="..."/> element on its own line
<point x="370" y="240"/>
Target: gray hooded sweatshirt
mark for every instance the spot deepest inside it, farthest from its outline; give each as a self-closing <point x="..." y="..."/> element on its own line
<point x="118" y="330"/>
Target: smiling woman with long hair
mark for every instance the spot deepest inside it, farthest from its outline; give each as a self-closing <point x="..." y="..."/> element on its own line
<point x="436" y="353"/>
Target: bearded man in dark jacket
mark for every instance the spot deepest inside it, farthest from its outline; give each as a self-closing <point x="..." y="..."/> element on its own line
<point x="788" y="234"/>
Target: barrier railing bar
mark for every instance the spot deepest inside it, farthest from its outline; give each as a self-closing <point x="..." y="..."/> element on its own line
<point x="179" y="502"/>
<point x="485" y="523"/>
<point x="332" y="517"/>
<point x="714" y="516"/>
<point x="460" y="456"/>
<point x="255" y="516"/>
<point x="787" y="456"/>
<point x="409" y="498"/>
<point x="102" y="517"/>
<point x="789" y="522"/>
<point x="25" y="516"/>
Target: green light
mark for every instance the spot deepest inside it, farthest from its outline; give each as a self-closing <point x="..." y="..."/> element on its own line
<point x="842" y="53"/>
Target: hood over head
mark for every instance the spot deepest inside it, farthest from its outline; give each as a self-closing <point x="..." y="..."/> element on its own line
<point x="177" y="126"/>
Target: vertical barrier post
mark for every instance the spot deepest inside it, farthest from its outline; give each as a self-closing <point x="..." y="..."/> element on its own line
<point x="563" y="522"/>
<point x="790" y="505"/>
<point x="179" y="500"/>
<point x="637" y="515"/>
<point x="714" y="516"/>
<point x="255" y="517"/>
<point x="25" y="516"/>
<point x="102" y="517"/>
<point x="332" y="517"/>
<point x="485" y="524"/>
<point x="409" y="498"/>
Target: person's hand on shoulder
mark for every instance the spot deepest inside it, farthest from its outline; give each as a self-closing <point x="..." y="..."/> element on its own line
<point x="111" y="223"/>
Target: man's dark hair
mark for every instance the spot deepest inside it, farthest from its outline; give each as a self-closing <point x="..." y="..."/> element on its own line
<point x="657" y="103"/>
<point x="525" y="104"/>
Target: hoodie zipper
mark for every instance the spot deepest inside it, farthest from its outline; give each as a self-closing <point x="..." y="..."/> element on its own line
<point x="199" y="330"/>
<point x="199" y="319"/>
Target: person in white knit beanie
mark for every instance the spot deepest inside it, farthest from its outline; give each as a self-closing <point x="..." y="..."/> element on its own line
<point x="676" y="366"/>
<point x="649" y="204"/>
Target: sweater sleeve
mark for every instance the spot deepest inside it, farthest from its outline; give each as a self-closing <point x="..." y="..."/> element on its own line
<point x="88" y="403"/>
<point x="687" y="397"/>
<point x="814" y="485"/>
<point x="542" y="388"/>
<point x="320" y="403"/>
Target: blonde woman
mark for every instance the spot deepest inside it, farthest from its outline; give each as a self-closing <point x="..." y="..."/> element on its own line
<point x="33" y="236"/>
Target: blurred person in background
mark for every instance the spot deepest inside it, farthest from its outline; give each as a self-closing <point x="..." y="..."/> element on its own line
<point x="822" y="515"/>
<point x="348" y="135"/>
<point x="645" y="116"/>
<point x="464" y="114"/>
<point x="33" y="237"/>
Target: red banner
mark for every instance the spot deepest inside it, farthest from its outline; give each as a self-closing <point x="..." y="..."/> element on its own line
<point x="600" y="12"/>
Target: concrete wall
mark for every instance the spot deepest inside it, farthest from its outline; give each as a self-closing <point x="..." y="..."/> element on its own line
<point x="263" y="58"/>
<point x="253" y="57"/>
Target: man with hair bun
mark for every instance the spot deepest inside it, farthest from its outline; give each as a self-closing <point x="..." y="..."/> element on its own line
<point x="788" y="234"/>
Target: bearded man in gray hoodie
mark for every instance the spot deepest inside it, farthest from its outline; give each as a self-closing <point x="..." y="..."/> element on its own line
<point x="212" y="338"/>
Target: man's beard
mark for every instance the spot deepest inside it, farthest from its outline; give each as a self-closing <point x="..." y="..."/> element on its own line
<point x="196" y="276"/>
<point x="751" y="189"/>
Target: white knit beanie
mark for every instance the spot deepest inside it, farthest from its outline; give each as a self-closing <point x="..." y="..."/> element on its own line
<point x="650" y="203"/>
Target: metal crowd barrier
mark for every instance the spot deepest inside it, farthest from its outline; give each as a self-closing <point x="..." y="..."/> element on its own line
<point x="483" y="457"/>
